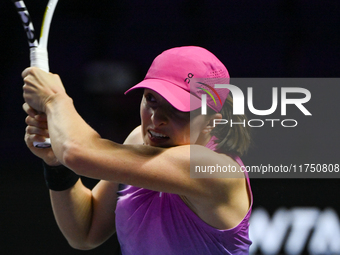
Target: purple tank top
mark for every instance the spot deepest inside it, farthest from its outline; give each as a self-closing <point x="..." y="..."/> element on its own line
<point x="153" y="223"/>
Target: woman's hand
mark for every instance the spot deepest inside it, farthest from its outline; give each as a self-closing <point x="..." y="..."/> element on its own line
<point x="36" y="131"/>
<point x="40" y="87"/>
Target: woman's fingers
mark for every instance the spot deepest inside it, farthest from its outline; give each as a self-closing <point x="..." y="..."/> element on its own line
<point x="40" y="116"/>
<point x="39" y="87"/>
<point x="31" y="130"/>
<point x="35" y="122"/>
<point x="30" y="138"/>
<point x="29" y="110"/>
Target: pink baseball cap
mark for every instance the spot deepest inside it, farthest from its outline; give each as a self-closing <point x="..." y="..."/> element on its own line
<point x="181" y="75"/>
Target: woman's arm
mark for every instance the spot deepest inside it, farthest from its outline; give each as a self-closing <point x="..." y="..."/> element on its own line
<point x="87" y="218"/>
<point x="79" y="147"/>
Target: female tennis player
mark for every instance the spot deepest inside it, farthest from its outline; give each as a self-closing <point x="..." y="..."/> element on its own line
<point x="161" y="210"/>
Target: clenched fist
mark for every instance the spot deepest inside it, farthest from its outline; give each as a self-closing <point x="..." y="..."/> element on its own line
<point x="40" y="87"/>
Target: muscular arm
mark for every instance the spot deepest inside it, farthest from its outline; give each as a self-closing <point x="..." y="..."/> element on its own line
<point x="87" y="218"/>
<point x="160" y="169"/>
<point x="155" y="168"/>
<point x="79" y="147"/>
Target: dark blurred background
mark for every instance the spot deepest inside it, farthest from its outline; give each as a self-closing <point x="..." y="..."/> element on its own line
<point x="100" y="48"/>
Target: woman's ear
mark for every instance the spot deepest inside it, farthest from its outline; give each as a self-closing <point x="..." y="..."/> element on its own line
<point x="211" y="122"/>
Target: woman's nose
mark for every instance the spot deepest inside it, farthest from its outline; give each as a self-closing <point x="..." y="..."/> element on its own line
<point x="159" y="117"/>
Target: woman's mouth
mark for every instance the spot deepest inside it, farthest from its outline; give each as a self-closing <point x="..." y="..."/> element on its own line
<point x="157" y="137"/>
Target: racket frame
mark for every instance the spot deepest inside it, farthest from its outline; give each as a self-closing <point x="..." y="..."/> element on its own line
<point x="38" y="50"/>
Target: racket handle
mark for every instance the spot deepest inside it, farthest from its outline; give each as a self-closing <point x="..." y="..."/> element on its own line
<point x="43" y="145"/>
<point x="39" y="58"/>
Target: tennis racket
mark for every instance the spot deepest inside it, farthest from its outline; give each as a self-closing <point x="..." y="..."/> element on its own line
<point x="38" y="50"/>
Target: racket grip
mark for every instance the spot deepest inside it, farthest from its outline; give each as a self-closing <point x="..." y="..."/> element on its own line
<point x="46" y="144"/>
<point x="39" y="58"/>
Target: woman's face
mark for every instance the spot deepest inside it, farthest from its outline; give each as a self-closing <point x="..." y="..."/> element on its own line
<point x="165" y="126"/>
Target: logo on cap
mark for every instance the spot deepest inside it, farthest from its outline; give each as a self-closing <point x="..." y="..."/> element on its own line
<point x="212" y="89"/>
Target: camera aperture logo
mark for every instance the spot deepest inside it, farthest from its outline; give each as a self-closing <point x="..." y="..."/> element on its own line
<point x="303" y="94"/>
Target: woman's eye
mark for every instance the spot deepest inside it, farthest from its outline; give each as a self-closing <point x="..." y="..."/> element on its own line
<point x="150" y="98"/>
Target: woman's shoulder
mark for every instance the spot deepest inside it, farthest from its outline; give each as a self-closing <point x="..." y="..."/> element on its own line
<point x="135" y="137"/>
<point x="216" y="164"/>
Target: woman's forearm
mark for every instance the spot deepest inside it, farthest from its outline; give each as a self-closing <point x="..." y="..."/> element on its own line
<point x="86" y="217"/>
<point x="72" y="209"/>
<point x="66" y="127"/>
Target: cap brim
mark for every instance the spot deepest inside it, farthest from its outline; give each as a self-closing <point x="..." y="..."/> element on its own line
<point x="176" y="96"/>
